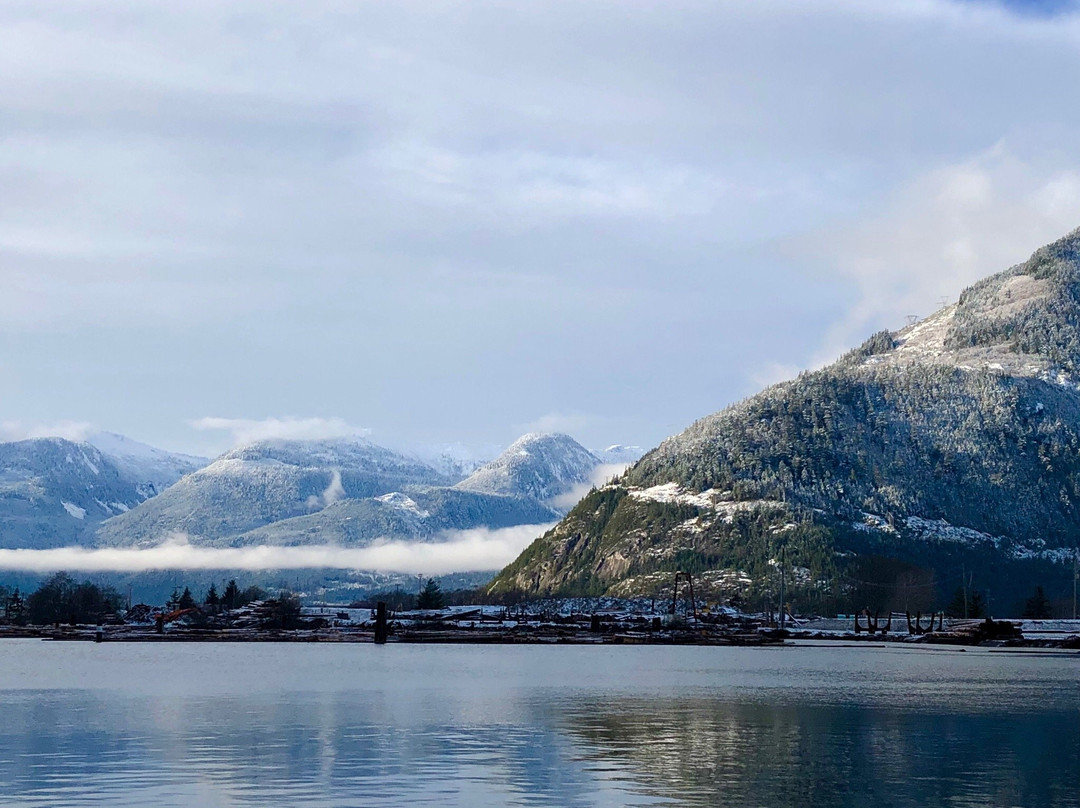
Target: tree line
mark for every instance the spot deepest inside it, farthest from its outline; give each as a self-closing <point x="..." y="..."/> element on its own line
<point x="62" y="599"/>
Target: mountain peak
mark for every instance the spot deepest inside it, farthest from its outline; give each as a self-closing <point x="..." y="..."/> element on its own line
<point x="541" y="466"/>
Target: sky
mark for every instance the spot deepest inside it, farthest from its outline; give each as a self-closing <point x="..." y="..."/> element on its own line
<point x="451" y="223"/>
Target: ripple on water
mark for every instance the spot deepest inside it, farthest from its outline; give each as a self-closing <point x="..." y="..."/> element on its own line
<point x="567" y="727"/>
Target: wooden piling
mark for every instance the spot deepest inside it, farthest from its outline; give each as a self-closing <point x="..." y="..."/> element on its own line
<point x="380" y="622"/>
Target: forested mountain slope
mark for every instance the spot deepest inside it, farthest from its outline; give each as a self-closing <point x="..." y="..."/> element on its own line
<point x="951" y="445"/>
<point x="54" y="491"/>
<point x="265" y="482"/>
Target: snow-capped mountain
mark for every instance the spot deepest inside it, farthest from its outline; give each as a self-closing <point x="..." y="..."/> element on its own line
<point x="417" y="514"/>
<point x="352" y="492"/>
<point x="114" y="491"/>
<point x="54" y="491"/>
<point x="452" y="460"/>
<point x="151" y="469"/>
<point x="619" y="454"/>
<point x="951" y="443"/>
<point x="265" y="482"/>
<point x="539" y="466"/>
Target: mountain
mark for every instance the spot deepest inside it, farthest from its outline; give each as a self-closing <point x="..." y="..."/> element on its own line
<point x="54" y="491"/>
<point x="416" y="514"/>
<point x="544" y="467"/>
<point x="947" y="453"/>
<point x="619" y="455"/>
<point x="352" y="493"/>
<point x="265" y="482"/>
<point x="452" y="460"/>
<point x="152" y="469"/>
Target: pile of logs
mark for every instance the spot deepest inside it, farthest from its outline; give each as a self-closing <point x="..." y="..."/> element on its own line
<point x="974" y="632"/>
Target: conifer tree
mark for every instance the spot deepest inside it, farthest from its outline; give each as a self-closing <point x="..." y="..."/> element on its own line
<point x="187" y="601"/>
<point x="230" y="599"/>
<point x="1037" y="607"/>
<point x="431" y="596"/>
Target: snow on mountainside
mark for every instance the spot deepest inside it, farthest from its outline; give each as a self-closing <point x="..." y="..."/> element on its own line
<point x="418" y="514"/>
<point x="538" y="466"/>
<point x="152" y="469"/>
<point x="114" y="491"/>
<point x="54" y="491"/>
<point x="265" y="482"/>
<point x="452" y="460"/>
<point x="952" y="443"/>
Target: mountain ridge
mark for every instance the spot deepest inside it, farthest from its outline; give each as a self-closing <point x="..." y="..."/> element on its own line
<point x="965" y="421"/>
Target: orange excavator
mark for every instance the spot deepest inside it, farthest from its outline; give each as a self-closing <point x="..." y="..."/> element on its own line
<point x="176" y="614"/>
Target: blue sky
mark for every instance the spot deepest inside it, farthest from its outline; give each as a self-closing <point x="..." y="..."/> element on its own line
<point x="1037" y="7"/>
<point x="454" y="222"/>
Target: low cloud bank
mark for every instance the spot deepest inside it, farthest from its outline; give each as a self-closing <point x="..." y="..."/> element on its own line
<point x="69" y="430"/>
<point x="600" y="476"/>
<point x="458" y="551"/>
<point x="247" y="430"/>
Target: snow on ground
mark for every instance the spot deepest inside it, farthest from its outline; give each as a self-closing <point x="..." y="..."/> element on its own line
<point x="74" y="510"/>
<point x="871" y="521"/>
<point x="403" y="502"/>
<point x="940" y="530"/>
<point x="672" y="493"/>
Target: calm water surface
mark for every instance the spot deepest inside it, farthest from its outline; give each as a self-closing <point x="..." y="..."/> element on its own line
<point x="358" y="725"/>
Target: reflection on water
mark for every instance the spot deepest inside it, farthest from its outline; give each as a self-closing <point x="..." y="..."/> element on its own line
<point x="316" y="725"/>
<point x="755" y="754"/>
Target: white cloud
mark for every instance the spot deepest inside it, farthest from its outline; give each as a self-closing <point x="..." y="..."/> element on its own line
<point x="769" y="373"/>
<point x="566" y="423"/>
<point x="601" y="475"/>
<point x="246" y="430"/>
<point x="334" y="492"/>
<point x="575" y="205"/>
<point x="459" y="551"/>
<point x="69" y="430"/>
<point x="942" y="231"/>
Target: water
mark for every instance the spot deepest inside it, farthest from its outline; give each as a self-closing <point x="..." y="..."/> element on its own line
<point x="402" y="725"/>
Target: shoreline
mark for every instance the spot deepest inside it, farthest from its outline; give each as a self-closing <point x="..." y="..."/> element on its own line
<point x="526" y="634"/>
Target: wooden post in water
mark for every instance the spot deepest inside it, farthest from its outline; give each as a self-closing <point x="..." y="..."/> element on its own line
<point x="594" y="624"/>
<point x="380" y="622"/>
<point x="99" y="635"/>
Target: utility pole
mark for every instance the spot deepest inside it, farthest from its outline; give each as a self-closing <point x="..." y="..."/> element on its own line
<point x="1076" y="576"/>
<point x="783" y="559"/>
<point x="964" y="585"/>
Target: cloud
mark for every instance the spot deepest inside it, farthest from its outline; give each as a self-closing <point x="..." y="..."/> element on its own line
<point x="245" y="430"/>
<point x="334" y="491"/>
<point x="939" y="233"/>
<point x="566" y="423"/>
<point x="458" y="551"/>
<point x="399" y="209"/>
<point x="69" y="430"/>
<point x="600" y="476"/>
<point x="769" y="373"/>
